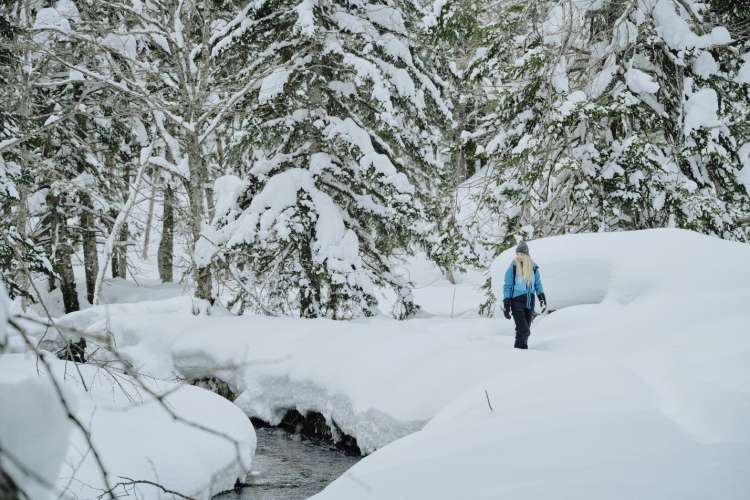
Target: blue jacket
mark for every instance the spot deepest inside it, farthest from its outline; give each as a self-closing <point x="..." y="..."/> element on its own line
<point x="520" y="287"/>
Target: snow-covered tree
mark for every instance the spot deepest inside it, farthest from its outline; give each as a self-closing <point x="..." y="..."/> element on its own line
<point x="164" y="59"/>
<point x="40" y="149"/>
<point x="455" y="31"/>
<point x="336" y="150"/>
<point x="613" y="115"/>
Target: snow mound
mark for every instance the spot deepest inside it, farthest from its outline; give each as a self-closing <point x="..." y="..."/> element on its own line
<point x="643" y="305"/>
<point x="637" y="387"/>
<point x="627" y="266"/>
<point x="34" y="430"/>
<point x="200" y="454"/>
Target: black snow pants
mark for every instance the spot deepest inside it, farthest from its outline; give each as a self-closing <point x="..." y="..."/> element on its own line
<point x="522" y="317"/>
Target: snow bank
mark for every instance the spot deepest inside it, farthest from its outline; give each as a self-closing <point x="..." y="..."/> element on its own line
<point x="274" y="364"/>
<point x="648" y="343"/>
<point x="134" y="435"/>
<point x="637" y="387"/>
<point x="279" y="363"/>
<point x="34" y="430"/>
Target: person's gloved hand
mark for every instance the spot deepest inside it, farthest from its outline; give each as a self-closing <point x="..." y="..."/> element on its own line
<point x="506" y="308"/>
<point x="542" y="300"/>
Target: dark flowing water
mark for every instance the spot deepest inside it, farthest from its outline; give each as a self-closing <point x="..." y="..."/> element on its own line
<point x="289" y="468"/>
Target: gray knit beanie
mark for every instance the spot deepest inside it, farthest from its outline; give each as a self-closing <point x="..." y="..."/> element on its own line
<point x="522" y="248"/>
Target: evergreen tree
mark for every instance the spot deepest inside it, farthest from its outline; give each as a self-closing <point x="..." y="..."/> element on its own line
<point x="454" y="36"/>
<point x="608" y="117"/>
<point x="337" y="152"/>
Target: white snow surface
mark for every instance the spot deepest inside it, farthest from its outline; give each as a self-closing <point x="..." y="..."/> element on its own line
<point x="636" y="387"/>
<point x="701" y="110"/>
<point x="571" y="102"/>
<point x="134" y="435"/>
<point x="705" y="65"/>
<point x="34" y="429"/>
<point x="273" y="85"/>
<point x="744" y="175"/>
<point x="677" y="32"/>
<point x="743" y="74"/>
<point x="640" y="82"/>
<point x="631" y="352"/>
<point x="124" y="44"/>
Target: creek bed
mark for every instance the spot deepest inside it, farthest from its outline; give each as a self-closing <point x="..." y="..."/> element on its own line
<point x="288" y="467"/>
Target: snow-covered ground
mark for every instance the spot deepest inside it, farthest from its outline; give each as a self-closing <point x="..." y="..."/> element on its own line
<point x="637" y="386"/>
<point x="202" y="453"/>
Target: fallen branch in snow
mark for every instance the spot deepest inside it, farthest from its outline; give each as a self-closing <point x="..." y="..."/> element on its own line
<point x="132" y="482"/>
<point x="488" y="400"/>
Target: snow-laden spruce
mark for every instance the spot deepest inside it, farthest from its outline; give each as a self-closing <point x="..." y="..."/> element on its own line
<point x="336" y="153"/>
<point x="613" y="115"/>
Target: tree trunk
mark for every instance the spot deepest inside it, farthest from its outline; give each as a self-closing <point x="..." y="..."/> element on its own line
<point x="90" y="256"/>
<point x="210" y="203"/>
<point x="22" y="218"/>
<point x="149" y="221"/>
<point x="120" y="251"/>
<point x="114" y="262"/>
<point x="196" y="190"/>
<point x="309" y="295"/>
<point x="61" y="260"/>
<point x="166" y="244"/>
<point x="122" y="254"/>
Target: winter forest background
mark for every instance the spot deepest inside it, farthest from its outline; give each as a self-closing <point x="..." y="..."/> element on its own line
<point x="286" y="158"/>
<point x="283" y="153"/>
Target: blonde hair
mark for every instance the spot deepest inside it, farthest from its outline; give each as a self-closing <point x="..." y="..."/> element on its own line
<point x="525" y="268"/>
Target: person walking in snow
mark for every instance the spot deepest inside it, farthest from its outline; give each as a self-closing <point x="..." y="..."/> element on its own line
<point x="522" y="281"/>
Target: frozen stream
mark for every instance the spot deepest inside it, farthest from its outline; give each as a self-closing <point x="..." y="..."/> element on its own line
<point x="289" y="468"/>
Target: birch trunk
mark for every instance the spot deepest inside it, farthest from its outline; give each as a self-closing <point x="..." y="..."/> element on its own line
<point x="149" y="221"/>
<point x="202" y="275"/>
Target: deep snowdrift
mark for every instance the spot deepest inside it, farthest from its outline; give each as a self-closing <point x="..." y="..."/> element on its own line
<point x="359" y="374"/>
<point x="637" y="387"/>
<point x="134" y="435"/>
